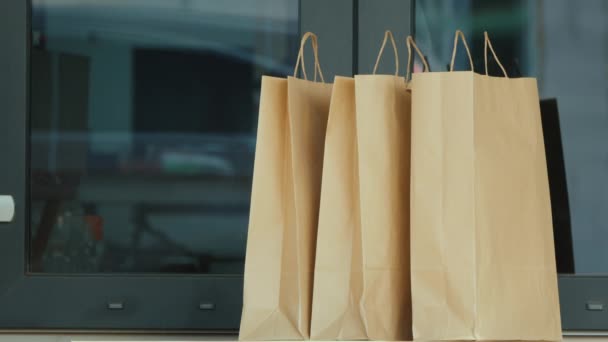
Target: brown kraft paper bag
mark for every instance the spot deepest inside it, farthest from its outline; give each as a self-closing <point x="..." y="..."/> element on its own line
<point x="338" y="280"/>
<point x="483" y="261"/>
<point x="277" y="292"/>
<point x="338" y="283"/>
<point x="383" y="138"/>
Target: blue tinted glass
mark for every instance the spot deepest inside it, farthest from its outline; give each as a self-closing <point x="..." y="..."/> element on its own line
<point x="143" y="123"/>
<point x="564" y="44"/>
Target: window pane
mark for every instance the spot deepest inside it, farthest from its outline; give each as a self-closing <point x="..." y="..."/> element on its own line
<point x="564" y="44"/>
<point x="143" y="124"/>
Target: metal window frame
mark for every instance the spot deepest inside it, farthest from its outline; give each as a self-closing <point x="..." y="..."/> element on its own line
<point x="150" y="302"/>
<point x="168" y="303"/>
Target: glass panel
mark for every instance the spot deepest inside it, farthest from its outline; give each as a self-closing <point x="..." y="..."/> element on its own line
<point x="143" y="123"/>
<point x="564" y="44"/>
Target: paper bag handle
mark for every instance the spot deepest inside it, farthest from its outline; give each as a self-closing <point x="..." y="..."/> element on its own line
<point x="300" y="60"/>
<point x="488" y="43"/>
<point x="460" y="35"/>
<point x="388" y="35"/>
<point x="410" y="42"/>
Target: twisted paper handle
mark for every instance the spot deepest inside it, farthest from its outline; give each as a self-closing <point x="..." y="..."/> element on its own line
<point x="300" y="60"/>
<point x="410" y="43"/>
<point x="460" y="35"/>
<point x="488" y="43"/>
<point x="388" y="35"/>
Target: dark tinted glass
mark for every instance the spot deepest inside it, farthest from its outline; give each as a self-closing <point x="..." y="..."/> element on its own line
<point x="143" y="123"/>
<point x="564" y="44"/>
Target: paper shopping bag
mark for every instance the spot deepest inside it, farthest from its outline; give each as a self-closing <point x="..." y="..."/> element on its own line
<point x="281" y="239"/>
<point x="338" y="280"/>
<point x="483" y="262"/>
<point x="383" y="141"/>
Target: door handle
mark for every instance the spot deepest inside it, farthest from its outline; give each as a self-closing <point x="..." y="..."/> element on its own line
<point x="7" y="208"/>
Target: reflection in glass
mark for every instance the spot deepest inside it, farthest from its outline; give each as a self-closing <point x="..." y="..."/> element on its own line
<point x="143" y="123"/>
<point x="564" y="44"/>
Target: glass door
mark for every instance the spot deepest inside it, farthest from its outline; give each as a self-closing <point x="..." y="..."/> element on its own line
<point x="127" y="130"/>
